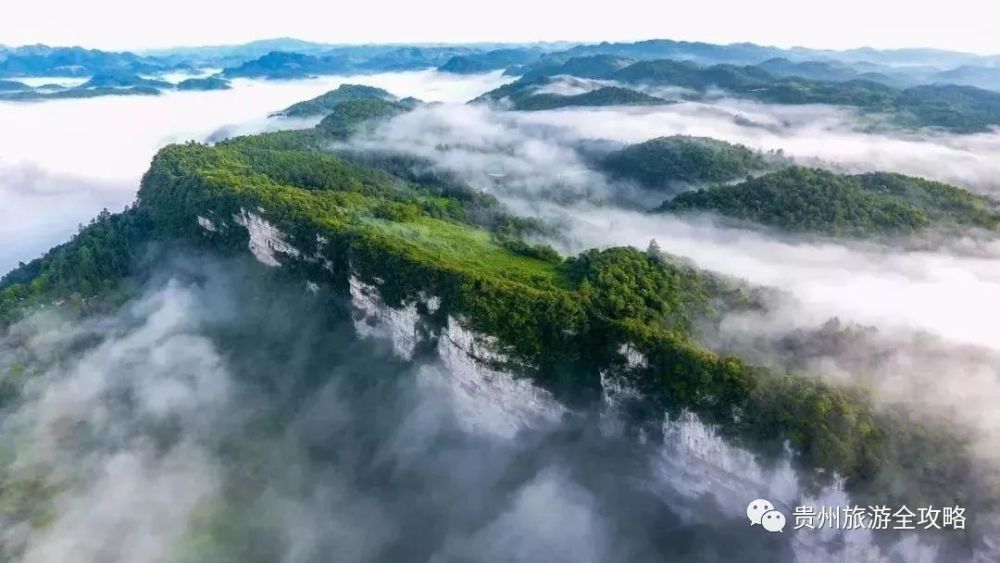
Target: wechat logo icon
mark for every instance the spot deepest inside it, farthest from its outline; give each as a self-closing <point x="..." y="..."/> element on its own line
<point x="762" y="512"/>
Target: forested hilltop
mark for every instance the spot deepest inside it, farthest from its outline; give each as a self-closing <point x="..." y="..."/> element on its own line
<point x="692" y="160"/>
<point x="326" y="103"/>
<point x="532" y="96"/>
<point x="808" y="200"/>
<point x="565" y="322"/>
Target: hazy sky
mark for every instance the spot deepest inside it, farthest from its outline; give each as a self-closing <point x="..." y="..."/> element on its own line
<point x="967" y="25"/>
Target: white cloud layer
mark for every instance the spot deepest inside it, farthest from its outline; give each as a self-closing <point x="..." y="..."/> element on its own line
<point x="530" y="156"/>
<point x="78" y="154"/>
<point x="932" y="297"/>
<point x="807" y="133"/>
<point x="62" y="161"/>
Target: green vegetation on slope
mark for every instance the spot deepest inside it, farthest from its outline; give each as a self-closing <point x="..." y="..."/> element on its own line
<point x="122" y="80"/>
<point x="595" y="66"/>
<point x="958" y="108"/>
<point x="210" y="83"/>
<point x="527" y="95"/>
<point x="817" y="201"/>
<point x="658" y="162"/>
<point x="93" y="263"/>
<point x="605" y="96"/>
<point x="831" y="71"/>
<point x="109" y="248"/>
<point x="347" y="117"/>
<point x="562" y="322"/>
<point x="41" y="60"/>
<point x="490" y="60"/>
<point x="961" y="109"/>
<point x="73" y="93"/>
<point x="690" y="75"/>
<point x="324" y="104"/>
<point x="277" y="65"/>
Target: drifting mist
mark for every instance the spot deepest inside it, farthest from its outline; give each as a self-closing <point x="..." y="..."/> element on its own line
<point x="918" y="297"/>
<point x="259" y="422"/>
<point x="226" y="416"/>
<point x="62" y="161"/>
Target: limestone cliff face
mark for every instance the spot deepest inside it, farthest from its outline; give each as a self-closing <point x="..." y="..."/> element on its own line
<point x="691" y="459"/>
<point x="526" y="344"/>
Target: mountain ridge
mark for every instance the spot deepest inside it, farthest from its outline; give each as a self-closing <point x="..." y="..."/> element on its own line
<point x="568" y="323"/>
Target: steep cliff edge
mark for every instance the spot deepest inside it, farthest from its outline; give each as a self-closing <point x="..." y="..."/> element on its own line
<point x="424" y="268"/>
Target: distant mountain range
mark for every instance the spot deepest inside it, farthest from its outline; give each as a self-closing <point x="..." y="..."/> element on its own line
<point x="105" y="84"/>
<point x="289" y="59"/>
<point x="41" y="60"/>
<point x="953" y="107"/>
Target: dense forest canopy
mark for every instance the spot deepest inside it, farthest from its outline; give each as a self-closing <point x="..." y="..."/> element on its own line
<point x="481" y="285"/>
<point x="324" y="104"/>
<point x="490" y="60"/>
<point x="604" y="96"/>
<point x="561" y="321"/>
<point x="122" y="80"/>
<point x="347" y="117"/>
<point x="594" y="66"/>
<point x="817" y="201"/>
<point x="680" y="158"/>
<point x="210" y="83"/>
<point x="42" y="94"/>
<point x="279" y="65"/>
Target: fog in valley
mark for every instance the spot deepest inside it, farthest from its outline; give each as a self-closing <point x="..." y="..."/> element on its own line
<point x="226" y="416"/>
<point x="151" y="423"/>
<point x="62" y="161"/>
<point x="917" y="306"/>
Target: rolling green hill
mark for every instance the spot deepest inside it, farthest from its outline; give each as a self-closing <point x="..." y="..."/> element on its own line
<point x="490" y="60"/>
<point x="564" y="322"/>
<point x="37" y="95"/>
<point x="324" y="104"/>
<point x="278" y="65"/>
<point x="606" y="96"/>
<point x="348" y="116"/>
<point x="529" y="95"/>
<point x="962" y="109"/>
<point x="664" y="160"/>
<point x="957" y="108"/>
<point x="817" y="201"/>
<point x="210" y="83"/>
<point x="594" y="66"/>
<point x="123" y="80"/>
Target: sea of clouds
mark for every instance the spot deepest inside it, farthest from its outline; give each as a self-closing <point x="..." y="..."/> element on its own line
<point x="918" y="297"/>
<point x="334" y="479"/>
<point x="63" y="161"/>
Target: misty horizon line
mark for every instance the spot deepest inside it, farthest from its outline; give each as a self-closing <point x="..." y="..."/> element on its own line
<point x="555" y="43"/>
